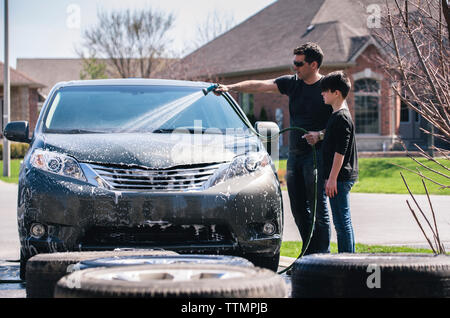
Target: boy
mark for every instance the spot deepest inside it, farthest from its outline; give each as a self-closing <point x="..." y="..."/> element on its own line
<point x="339" y="157"/>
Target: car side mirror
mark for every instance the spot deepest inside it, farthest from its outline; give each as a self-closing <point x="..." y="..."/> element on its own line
<point x="270" y="130"/>
<point x="17" y="131"/>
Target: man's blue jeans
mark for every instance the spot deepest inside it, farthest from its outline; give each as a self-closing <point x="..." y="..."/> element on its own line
<point x="300" y="183"/>
<point x="340" y="208"/>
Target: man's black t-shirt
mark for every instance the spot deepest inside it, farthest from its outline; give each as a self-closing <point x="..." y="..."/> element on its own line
<point x="306" y="108"/>
<point x="340" y="138"/>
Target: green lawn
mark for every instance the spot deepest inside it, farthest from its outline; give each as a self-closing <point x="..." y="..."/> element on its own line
<point x="15" y="166"/>
<point x="379" y="175"/>
<point x="293" y="249"/>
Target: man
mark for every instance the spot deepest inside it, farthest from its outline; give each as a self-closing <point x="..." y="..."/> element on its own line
<point x="307" y="110"/>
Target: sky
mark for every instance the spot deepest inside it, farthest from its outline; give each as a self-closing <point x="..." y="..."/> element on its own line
<point x="54" y="28"/>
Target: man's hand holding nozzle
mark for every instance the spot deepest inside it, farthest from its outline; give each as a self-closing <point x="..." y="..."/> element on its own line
<point x="220" y="89"/>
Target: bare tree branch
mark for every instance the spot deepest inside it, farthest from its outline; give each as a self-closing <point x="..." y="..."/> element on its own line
<point x="133" y="41"/>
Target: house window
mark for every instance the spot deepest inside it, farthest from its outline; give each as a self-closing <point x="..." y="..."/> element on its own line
<point x="367" y="104"/>
<point x="404" y="113"/>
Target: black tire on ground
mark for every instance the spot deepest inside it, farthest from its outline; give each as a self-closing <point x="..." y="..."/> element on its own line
<point x="268" y="262"/>
<point x="371" y="275"/>
<point x="23" y="264"/>
<point x="172" y="281"/>
<point x="164" y="259"/>
<point x="44" y="270"/>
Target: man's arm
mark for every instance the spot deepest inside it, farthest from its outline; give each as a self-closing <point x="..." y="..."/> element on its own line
<point x="251" y="86"/>
<point x="331" y="183"/>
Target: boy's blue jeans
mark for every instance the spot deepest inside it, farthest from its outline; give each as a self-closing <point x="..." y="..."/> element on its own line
<point x="300" y="184"/>
<point x="340" y="208"/>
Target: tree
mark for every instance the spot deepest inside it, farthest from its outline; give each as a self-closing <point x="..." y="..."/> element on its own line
<point x="93" y="69"/>
<point x="215" y="24"/>
<point x="133" y="41"/>
<point x="415" y="36"/>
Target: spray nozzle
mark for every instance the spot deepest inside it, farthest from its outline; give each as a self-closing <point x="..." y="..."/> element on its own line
<point x="213" y="87"/>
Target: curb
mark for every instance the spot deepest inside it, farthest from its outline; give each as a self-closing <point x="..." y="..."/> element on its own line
<point x="286" y="261"/>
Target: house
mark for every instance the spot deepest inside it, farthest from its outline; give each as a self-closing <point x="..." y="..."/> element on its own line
<point x="262" y="48"/>
<point x="51" y="71"/>
<point x="24" y="97"/>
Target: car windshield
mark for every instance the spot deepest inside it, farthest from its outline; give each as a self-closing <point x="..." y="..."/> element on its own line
<point x="123" y="109"/>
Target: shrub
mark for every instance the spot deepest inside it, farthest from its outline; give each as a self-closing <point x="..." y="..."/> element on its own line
<point x="18" y="150"/>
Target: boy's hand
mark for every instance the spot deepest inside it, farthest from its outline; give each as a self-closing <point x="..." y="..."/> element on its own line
<point x="312" y="137"/>
<point x="331" y="187"/>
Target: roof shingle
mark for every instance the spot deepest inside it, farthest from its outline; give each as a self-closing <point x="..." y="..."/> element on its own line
<point x="267" y="39"/>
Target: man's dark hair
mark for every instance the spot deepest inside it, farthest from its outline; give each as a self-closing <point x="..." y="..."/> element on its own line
<point x="336" y="81"/>
<point x="312" y="53"/>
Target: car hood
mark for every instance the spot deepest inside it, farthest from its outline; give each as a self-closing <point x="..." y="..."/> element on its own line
<point x="151" y="150"/>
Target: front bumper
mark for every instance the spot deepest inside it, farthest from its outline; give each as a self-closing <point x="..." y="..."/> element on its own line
<point x="227" y="218"/>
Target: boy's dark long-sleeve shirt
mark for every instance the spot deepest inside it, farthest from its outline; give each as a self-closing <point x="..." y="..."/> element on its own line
<point x="306" y="110"/>
<point x="340" y="138"/>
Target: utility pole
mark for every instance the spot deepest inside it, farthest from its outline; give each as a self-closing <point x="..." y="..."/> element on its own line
<point x="6" y="100"/>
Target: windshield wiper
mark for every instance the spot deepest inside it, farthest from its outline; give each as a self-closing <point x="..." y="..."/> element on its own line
<point x="74" y="131"/>
<point x="162" y="131"/>
<point x="192" y="130"/>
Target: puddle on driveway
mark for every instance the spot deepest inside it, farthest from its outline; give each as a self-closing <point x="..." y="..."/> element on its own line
<point x="10" y="284"/>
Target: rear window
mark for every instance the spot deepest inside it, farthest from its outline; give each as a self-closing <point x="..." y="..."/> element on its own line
<point x="125" y="109"/>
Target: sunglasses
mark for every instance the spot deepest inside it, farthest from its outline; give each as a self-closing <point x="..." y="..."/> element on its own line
<point x="299" y="64"/>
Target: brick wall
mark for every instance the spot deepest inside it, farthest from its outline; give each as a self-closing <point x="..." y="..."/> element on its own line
<point x="366" y="61"/>
<point x="24" y="105"/>
<point x="19" y="104"/>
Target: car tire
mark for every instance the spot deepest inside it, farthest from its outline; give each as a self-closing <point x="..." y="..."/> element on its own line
<point x="163" y="259"/>
<point x="268" y="262"/>
<point x="172" y="281"/>
<point x="371" y="275"/>
<point x="23" y="264"/>
<point x="44" y="270"/>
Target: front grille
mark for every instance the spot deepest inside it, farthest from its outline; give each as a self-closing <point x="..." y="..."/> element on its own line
<point x="172" y="179"/>
<point x="158" y="235"/>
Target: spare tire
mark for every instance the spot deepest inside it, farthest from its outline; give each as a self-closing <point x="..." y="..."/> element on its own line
<point x="371" y="275"/>
<point x="44" y="270"/>
<point x="172" y="281"/>
<point x="163" y="259"/>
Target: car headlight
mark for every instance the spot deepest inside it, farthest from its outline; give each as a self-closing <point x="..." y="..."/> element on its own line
<point x="240" y="166"/>
<point x="57" y="163"/>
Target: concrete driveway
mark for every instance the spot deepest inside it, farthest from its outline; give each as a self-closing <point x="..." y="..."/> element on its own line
<point x="385" y="219"/>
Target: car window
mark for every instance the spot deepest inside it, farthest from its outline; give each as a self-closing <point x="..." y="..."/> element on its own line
<point x="138" y="109"/>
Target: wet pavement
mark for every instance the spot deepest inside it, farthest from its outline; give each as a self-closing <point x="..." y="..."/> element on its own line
<point x="10" y="284"/>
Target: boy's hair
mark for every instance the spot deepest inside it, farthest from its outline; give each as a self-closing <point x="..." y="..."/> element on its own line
<point x="311" y="51"/>
<point x="336" y="81"/>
